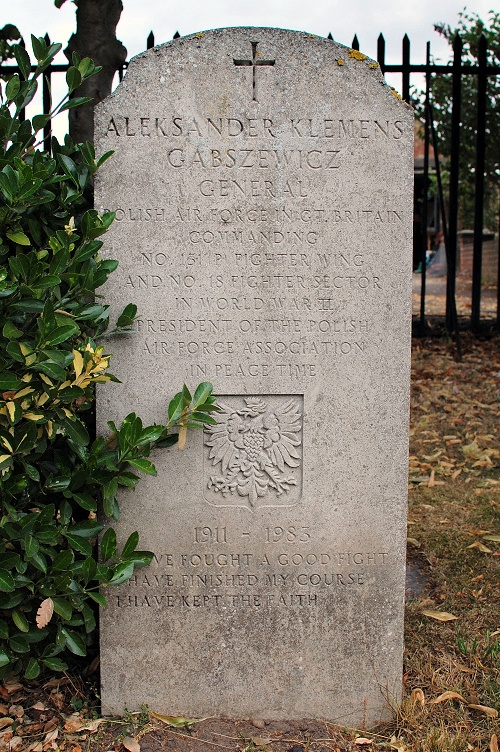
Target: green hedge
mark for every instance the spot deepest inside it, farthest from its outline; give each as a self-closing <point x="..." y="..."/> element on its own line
<point x="53" y="475"/>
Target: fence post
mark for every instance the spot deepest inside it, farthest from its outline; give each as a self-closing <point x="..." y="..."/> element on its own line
<point x="479" y="184"/>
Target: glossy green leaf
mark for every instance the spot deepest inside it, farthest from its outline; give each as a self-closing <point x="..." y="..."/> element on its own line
<point x="74" y="642"/>
<point x="108" y="545"/>
<point x="18" y="237"/>
<point x="7" y="584"/>
<point x="20" y="620"/>
<point x="32" y="669"/>
<point x="131" y="544"/>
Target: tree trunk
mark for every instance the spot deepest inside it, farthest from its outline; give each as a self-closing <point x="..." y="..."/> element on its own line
<point x="95" y="37"/>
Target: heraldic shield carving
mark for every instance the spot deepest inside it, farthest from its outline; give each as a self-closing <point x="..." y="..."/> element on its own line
<point x="253" y="455"/>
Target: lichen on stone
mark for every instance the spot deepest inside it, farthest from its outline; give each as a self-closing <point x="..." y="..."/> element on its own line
<point x="396" y="94"/>
<point x="199" y="35"/>
<point x="340" y="62"/>
<point x="357" y="55"/>
<point x="373" y="65"/>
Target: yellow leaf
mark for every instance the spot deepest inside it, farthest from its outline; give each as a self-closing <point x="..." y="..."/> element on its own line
<point x="131" y="744"/>
<point x="417" y="696"/>
<point x="447" y="696"/>
<point x="414" y="542"/>
<point x="11" y="407"/>
<point x="4" y="457"/>
<point x="494" y="743"/>
<point x="24" y="392"/>
<point x="481" y="547"/>
<point x="77" y="362"/>
<point x="439" y="615"/>
<point x="6" y="443"/>
<point x="44" y="613"/>
<point x="34" y="416"/>
<point x="491" y="712"/>
<point x="46" y="379"/>
<point x="495" y="538"/>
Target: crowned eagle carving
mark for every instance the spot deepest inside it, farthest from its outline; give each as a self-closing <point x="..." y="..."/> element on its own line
<point x="255" y="448"/>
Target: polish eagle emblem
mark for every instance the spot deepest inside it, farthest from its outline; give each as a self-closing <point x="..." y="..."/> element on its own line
<point x="255" y="448"/>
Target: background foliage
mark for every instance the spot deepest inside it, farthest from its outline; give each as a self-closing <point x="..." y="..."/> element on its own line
<point x="52" y="325"/>
<point x="470" y="27"/>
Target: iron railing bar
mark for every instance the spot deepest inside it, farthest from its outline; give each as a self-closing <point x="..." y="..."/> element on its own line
<point x="454" y="182"/>
<point x="406" y="68"/>
<point x="423" y="276"/>
<point x="479" y="184"/>
<point x="47" y="101"/>
<point x="442" y="206"/>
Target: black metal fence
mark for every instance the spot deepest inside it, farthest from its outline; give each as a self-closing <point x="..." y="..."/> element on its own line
<point x="447" y="209"/>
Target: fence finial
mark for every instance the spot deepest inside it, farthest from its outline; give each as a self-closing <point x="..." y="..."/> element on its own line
<point x="176" y="35"/>
<point x="329" y="35"/>
<point x="355" y="43"/>
<point x="150" y="41"/>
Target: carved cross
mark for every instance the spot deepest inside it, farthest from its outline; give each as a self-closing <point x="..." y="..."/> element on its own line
<point x="254" y="62"/>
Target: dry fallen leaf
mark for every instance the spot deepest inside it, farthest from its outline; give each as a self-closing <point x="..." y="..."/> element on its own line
<point x="491" y="712"/>
<point x="417" y="696"/>
<point x="131" y="744"/>
<point x="44" y="613"/>
<point x="73" y="723"/>
<point x="92" y="726"/>
<point x="360" y="741"/>
<point x="439" y="615"/>
<point x="12" y="686"/>
<point x="15" y="743"/>
<point x="447" y="696"/>
<point x="495" y="538"/>
<point x="261" y="741"/>
<point x="484" y="549"/>
<point x="176" y="721"/>
<point x="494" y="743"/>
<point x="39" y="706"/>
<point x="4" y="722"/>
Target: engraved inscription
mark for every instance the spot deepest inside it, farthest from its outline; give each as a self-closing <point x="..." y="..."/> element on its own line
<point x="256" y="450"/>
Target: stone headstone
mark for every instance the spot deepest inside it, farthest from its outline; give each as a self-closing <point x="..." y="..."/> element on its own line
<point x="262" y="184"/>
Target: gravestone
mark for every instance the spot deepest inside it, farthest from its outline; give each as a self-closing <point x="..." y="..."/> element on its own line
<point x="262" y="184"/>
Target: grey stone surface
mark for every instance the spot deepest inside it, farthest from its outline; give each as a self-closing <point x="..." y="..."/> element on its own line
<point x="262" y="181"/>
